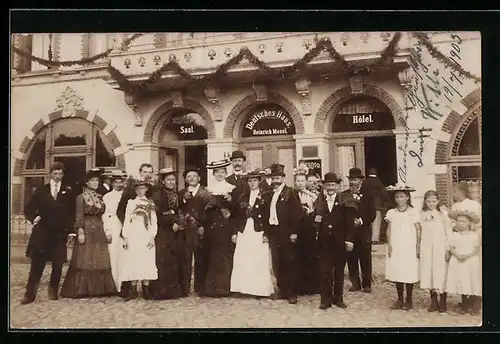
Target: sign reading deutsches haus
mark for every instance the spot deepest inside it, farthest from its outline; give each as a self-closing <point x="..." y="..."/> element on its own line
<point x="271" y="120"/>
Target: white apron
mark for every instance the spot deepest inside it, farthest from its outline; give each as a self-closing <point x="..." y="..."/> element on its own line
<point x="113" y="226"/>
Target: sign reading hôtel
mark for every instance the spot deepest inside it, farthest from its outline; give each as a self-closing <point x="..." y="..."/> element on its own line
<point x="270" y="120"/>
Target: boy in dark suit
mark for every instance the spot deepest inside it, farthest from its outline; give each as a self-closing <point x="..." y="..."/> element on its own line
<point x="51" y="210"/>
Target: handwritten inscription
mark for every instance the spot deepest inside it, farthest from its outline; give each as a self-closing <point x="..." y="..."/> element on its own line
<point x="403" y="147"/>
<point x="421" y="140"/>
<point x="432" y="86"/>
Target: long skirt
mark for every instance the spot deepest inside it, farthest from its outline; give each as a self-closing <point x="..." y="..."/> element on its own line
<point x="252" y="264"/>
<point x="115" y="248"/>
<point x="89" y="272"/>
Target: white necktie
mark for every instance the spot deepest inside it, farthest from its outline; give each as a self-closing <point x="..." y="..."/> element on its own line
<point x="55" y="192"/>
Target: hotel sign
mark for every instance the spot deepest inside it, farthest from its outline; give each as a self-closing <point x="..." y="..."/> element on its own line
<point x="268" y="121"/>
<point x="361" y="122"/>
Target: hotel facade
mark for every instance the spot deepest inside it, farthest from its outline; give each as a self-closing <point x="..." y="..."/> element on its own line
<point x="415" y="119"/>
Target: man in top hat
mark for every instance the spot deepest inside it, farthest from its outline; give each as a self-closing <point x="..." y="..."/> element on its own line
<point x="105" y="184"/>
<point x="194" y="200"/>
<point x="362" y="218"/>
<point x="51" y="210"/>
<point x="376" y="188"/>
<point x="146" y="173"/>
<point x="266" y="182"/>
<point x="285" y="211"/>
<point x="238" y="159"/>
<point x="112" y="224"/>
<point x="335" y="238"/>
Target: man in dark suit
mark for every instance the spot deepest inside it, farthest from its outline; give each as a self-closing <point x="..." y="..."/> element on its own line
<point x="285" y="212"/>
<point x="145" y="172"/>
<point x="105" y="185"/>
<point x="376" y="188"/>
<point x="194" y="202"/>
<point x="51" y="210"/>
<point x="335" y="237"/>
<point x="362" y="219"/>
<point x="266" y="182"/>
<point x="238" y="159"/>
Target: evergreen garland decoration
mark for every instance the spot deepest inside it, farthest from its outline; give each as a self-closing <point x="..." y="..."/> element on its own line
<point x="85" y="61"/>
<point x="435" y="53"/>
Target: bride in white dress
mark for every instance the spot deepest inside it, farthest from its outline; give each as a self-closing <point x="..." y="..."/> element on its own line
<point x="251" y="273"/>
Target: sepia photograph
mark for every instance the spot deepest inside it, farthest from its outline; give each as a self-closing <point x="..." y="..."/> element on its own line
<point x="244" y="180"/>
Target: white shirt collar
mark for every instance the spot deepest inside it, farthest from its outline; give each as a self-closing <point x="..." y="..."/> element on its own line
<point x="372" y="175"/>
<point x="330" y="198"/>
<point x="53" y="183"/>
<point x="280" y="188"/>
<point x="194" y="189"/>
<point x="237" y="173"/>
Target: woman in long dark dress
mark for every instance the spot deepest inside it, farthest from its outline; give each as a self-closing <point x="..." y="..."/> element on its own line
<point x="89" y="272"/>
<point x="307" y="246"/>
<point x="166" y="199"/>
<point x="222" y="218"/>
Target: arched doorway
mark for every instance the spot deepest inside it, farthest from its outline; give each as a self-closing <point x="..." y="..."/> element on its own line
<point x="266" y="132"/>
<point x="183" y="143"/>
<point x="75" y="142"/>
<point x="464" y="156"/>
<point x="362" y="136"/>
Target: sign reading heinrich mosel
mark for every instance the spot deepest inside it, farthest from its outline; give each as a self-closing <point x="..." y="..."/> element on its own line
<point x="268" y="120"/>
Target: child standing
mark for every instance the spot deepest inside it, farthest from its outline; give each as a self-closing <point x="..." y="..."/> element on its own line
<point x="464" y="270"/>
<point x="436" y="228"/>
<point x="139" y="232"/>
<point x="403" y="245"/>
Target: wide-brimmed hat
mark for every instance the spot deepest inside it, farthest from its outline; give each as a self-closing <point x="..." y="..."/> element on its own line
<point x="397" y="188"/>
<point x="355" y="173"/>
<point x="190" y="169"/>
<point x="94" y="172"/>
<point x="473" y="217"/>
<point x="331" y="177"/>
<point x="166" y="171"/>
<point x="277" y="170"/>
<point x="219" y="164"/>
<point x="258" y="173"/>
<point x="140" y="181"/>
<point x="238" y="155"/>
<point x="115" y="175"/>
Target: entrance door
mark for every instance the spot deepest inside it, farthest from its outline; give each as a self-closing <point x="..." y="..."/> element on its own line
<point x="262" y="155"/>
<point x="197" y="156"/>
<point x="75" y="168"/>
<point x="347" y="153"/>
<point x="380" y="153"/>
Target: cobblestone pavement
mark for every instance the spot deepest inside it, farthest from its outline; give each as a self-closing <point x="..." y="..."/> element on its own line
<point x="364" y="310"/>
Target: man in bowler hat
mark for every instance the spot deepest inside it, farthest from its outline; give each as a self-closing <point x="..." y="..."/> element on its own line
<point x="362" y="218"/>
<point x="284" y="212"/>
<point x="238" y="159"/>
<point x="51" y="210"/>
<point x="335" y="237"/>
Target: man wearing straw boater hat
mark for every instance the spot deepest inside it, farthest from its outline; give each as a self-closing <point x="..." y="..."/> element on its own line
<point x="51" y="210"/>
<point x="284" y="215"/>
<point x="335" y="237"/>
<point x="361" y="219"/>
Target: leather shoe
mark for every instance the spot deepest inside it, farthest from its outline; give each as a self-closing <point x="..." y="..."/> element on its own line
<point x="354" y="288"/>
<point x="340" y="304"/>
<point x="292" y="300"/>
<point x="325" y="306"/>
<point x="27" y="299"/>
<point x="367" y="290"/>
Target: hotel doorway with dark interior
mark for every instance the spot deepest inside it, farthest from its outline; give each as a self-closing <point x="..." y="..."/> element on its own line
<point x="183" y="144"/>
<point x="363" y="136"/>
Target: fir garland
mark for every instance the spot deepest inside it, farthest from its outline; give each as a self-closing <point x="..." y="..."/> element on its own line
<point x="85" y="61"/>
<point x="435" y="53"/>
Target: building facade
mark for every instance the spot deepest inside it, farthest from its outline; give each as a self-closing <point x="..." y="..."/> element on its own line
<point x="415" y="120"/>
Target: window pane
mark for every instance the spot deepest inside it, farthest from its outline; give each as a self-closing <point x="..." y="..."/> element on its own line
<point x="36" y="159"/>
<point x="469" y="173"/>
<point x="470" y="144"/>
<point x="72" y="132"/>
<point x="30" y="184"/>
<point x="104" y="155"/>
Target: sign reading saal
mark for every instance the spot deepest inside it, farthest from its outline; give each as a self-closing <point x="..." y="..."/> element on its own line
<point x="267" y="121"/>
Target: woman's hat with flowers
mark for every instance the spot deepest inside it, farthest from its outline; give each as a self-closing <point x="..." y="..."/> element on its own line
<point x="400" y="187"/>
<point x="473" y="217"/>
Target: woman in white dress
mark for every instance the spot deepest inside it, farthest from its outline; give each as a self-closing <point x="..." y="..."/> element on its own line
<point x="464" y="271"/>
<point x="112" y="225"/>
<point x="436" y="230"/>
<point x="403" y="245"/>
<point x="251" y="273"/>
<point x="139" y="231"/>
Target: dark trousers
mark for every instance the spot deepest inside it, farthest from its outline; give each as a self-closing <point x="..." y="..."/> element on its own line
<point x="360" y="255"/>
<point x="185" y="247"/>
<point x="201" y="261"/>
<point x="332" y="261"/>
<point x="283" y="254"/>
<point x="36" y="270"/>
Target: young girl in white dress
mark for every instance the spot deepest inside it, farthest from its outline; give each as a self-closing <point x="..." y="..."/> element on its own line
<point x="403" y="246"/>
<point x="251" y="273"/>
<point x="139" y="232"/>
<point x="436" y="229"/>
<point x="464" y="270"/>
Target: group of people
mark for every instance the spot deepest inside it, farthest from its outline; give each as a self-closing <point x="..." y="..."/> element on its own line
<point x="242" y="228"/>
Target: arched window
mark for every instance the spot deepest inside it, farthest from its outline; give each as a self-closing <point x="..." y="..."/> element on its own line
<point x="465" y="155"/>
<point x="76" y="142"/>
